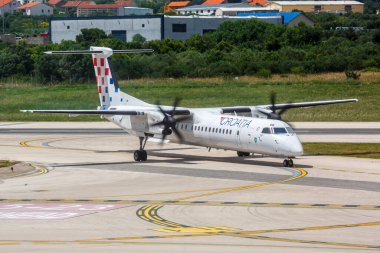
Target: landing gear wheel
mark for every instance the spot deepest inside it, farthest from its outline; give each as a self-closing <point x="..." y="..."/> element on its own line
<point x="287" y="163"/>
<point x="144" y="155"/>
<point x="137" y="156"/>
<point x="241" y="154"/>
<point x="141" y="155"/>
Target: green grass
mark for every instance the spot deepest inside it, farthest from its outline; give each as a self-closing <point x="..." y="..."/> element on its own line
<point x="213" y="92"/>
<point x="361" y="150"/>
<point x="4" y="163"/>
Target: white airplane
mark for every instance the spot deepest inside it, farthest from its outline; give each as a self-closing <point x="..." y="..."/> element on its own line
<point x="245" y="129"/>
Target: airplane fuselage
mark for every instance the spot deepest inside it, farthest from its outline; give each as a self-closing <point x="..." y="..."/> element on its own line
<point x="221" y="131"/>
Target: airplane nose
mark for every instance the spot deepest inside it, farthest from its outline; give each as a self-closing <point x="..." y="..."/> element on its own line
<point x="297" y="148"/>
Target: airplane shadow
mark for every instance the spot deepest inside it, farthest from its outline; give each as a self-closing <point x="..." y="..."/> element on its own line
<point x="174" y="158"/>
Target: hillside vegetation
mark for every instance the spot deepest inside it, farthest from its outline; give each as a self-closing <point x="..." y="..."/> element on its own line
<point x="237" y="48"/>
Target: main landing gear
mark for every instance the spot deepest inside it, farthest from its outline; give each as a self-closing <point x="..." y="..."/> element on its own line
<point x="288" y="162"/>
<point x="141" y="155"/>
<point x="241" y="154"/>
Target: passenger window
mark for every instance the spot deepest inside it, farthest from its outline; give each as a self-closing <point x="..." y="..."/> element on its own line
<point x="237" y="133"/>
<point x="205" y="129"/>
<point x="186" y="127"/>
<point x="266" y="130"/>
<point x="230" y="131"/>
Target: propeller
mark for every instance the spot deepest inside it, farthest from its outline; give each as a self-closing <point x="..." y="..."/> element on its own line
<point x="169" y="122"/>
<point x="272" y="113"/>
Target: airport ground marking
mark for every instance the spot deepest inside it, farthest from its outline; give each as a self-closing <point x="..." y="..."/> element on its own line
<point x="150" y="213"/>
<point x="302" y="173"/>
<point x="198" y="203"/>
<point x="249" y="234"/>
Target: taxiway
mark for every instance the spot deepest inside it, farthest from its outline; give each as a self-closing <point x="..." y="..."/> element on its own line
<point x="84" y="193"/>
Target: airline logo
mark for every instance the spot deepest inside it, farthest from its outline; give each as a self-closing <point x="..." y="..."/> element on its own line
<point x="228" y="121"/>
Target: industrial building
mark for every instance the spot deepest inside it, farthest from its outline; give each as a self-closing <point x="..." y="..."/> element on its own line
<point x="123" y="27"/>
<point x="157" y="27"/>
<point x="184" y="27"/>
<point x="318" y="6"/>
<point x="288" y="18"/>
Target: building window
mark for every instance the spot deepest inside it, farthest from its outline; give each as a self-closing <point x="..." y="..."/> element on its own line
<point x="68" y="27"/>
<point x="119" y="34"/>
<point x="143" y="25"/>
<point x="178" y="28"/>
<point x="42" y="11"/>
<point x="317" y="7"/>
<point x="347" y="8"/>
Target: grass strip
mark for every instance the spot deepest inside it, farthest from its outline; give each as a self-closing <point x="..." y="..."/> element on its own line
<point x="4" y="163"/>
<point x="360" y="150"/>
<point x="206" y="92"/>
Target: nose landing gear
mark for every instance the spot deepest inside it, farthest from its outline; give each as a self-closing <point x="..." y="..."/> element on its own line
<point x="287" y="163"/>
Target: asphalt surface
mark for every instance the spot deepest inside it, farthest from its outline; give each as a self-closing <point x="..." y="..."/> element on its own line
<point x="86" y="194"/>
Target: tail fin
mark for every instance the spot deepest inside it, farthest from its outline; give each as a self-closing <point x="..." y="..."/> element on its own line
<point x="108" y="86"/>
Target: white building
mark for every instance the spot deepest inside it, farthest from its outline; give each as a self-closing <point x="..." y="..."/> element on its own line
<point x="206" y="10"/>
<point x="8" y="6"/>
<point x="36" y="9"/>
<point x="23" y="2"/>
<point x="233" y="11"/>
<point x="122" y="27"/>
<point x="137" y="11"/>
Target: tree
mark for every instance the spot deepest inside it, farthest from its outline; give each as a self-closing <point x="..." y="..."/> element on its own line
<point x="90" y="36"/>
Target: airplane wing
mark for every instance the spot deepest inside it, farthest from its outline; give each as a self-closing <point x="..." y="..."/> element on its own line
<point x="247" y="109"/>
<point x="306" y="104"/>
<point x="106" y="112"/>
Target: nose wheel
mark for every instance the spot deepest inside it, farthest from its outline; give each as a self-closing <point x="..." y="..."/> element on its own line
<point x="287" y="163"/>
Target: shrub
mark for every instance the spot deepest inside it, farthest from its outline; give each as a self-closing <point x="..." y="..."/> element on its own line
<point x="264" y="73"/>
<point x="352" y="74"/>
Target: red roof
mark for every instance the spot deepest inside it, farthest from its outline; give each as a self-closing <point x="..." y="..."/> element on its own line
<point x="209" y="2"/>
<point x="118" y="4"/>
<point x="28" y="5"/>
<point x="179" y="3"/>
<point x="54" y="2"/>
<point x="99" y="6"/>
<point x="4" y="2"/>
<point x="125" y="3"/>
<point x="73" y="3"/>
<point x="258" y="2"/>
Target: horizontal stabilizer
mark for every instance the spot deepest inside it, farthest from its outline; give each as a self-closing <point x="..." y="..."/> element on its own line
<point x="88" y="112"/>
<point x="107" y="112"/>
<point x="125" y="51"/>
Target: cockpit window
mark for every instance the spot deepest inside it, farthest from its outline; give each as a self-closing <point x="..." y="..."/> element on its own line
<point x="266" y="130"/>
<point x="290" y="130"/>
<point x="279" y="130"/>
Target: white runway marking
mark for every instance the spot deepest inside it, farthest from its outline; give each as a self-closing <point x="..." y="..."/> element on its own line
<point x="47" y="211"/>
